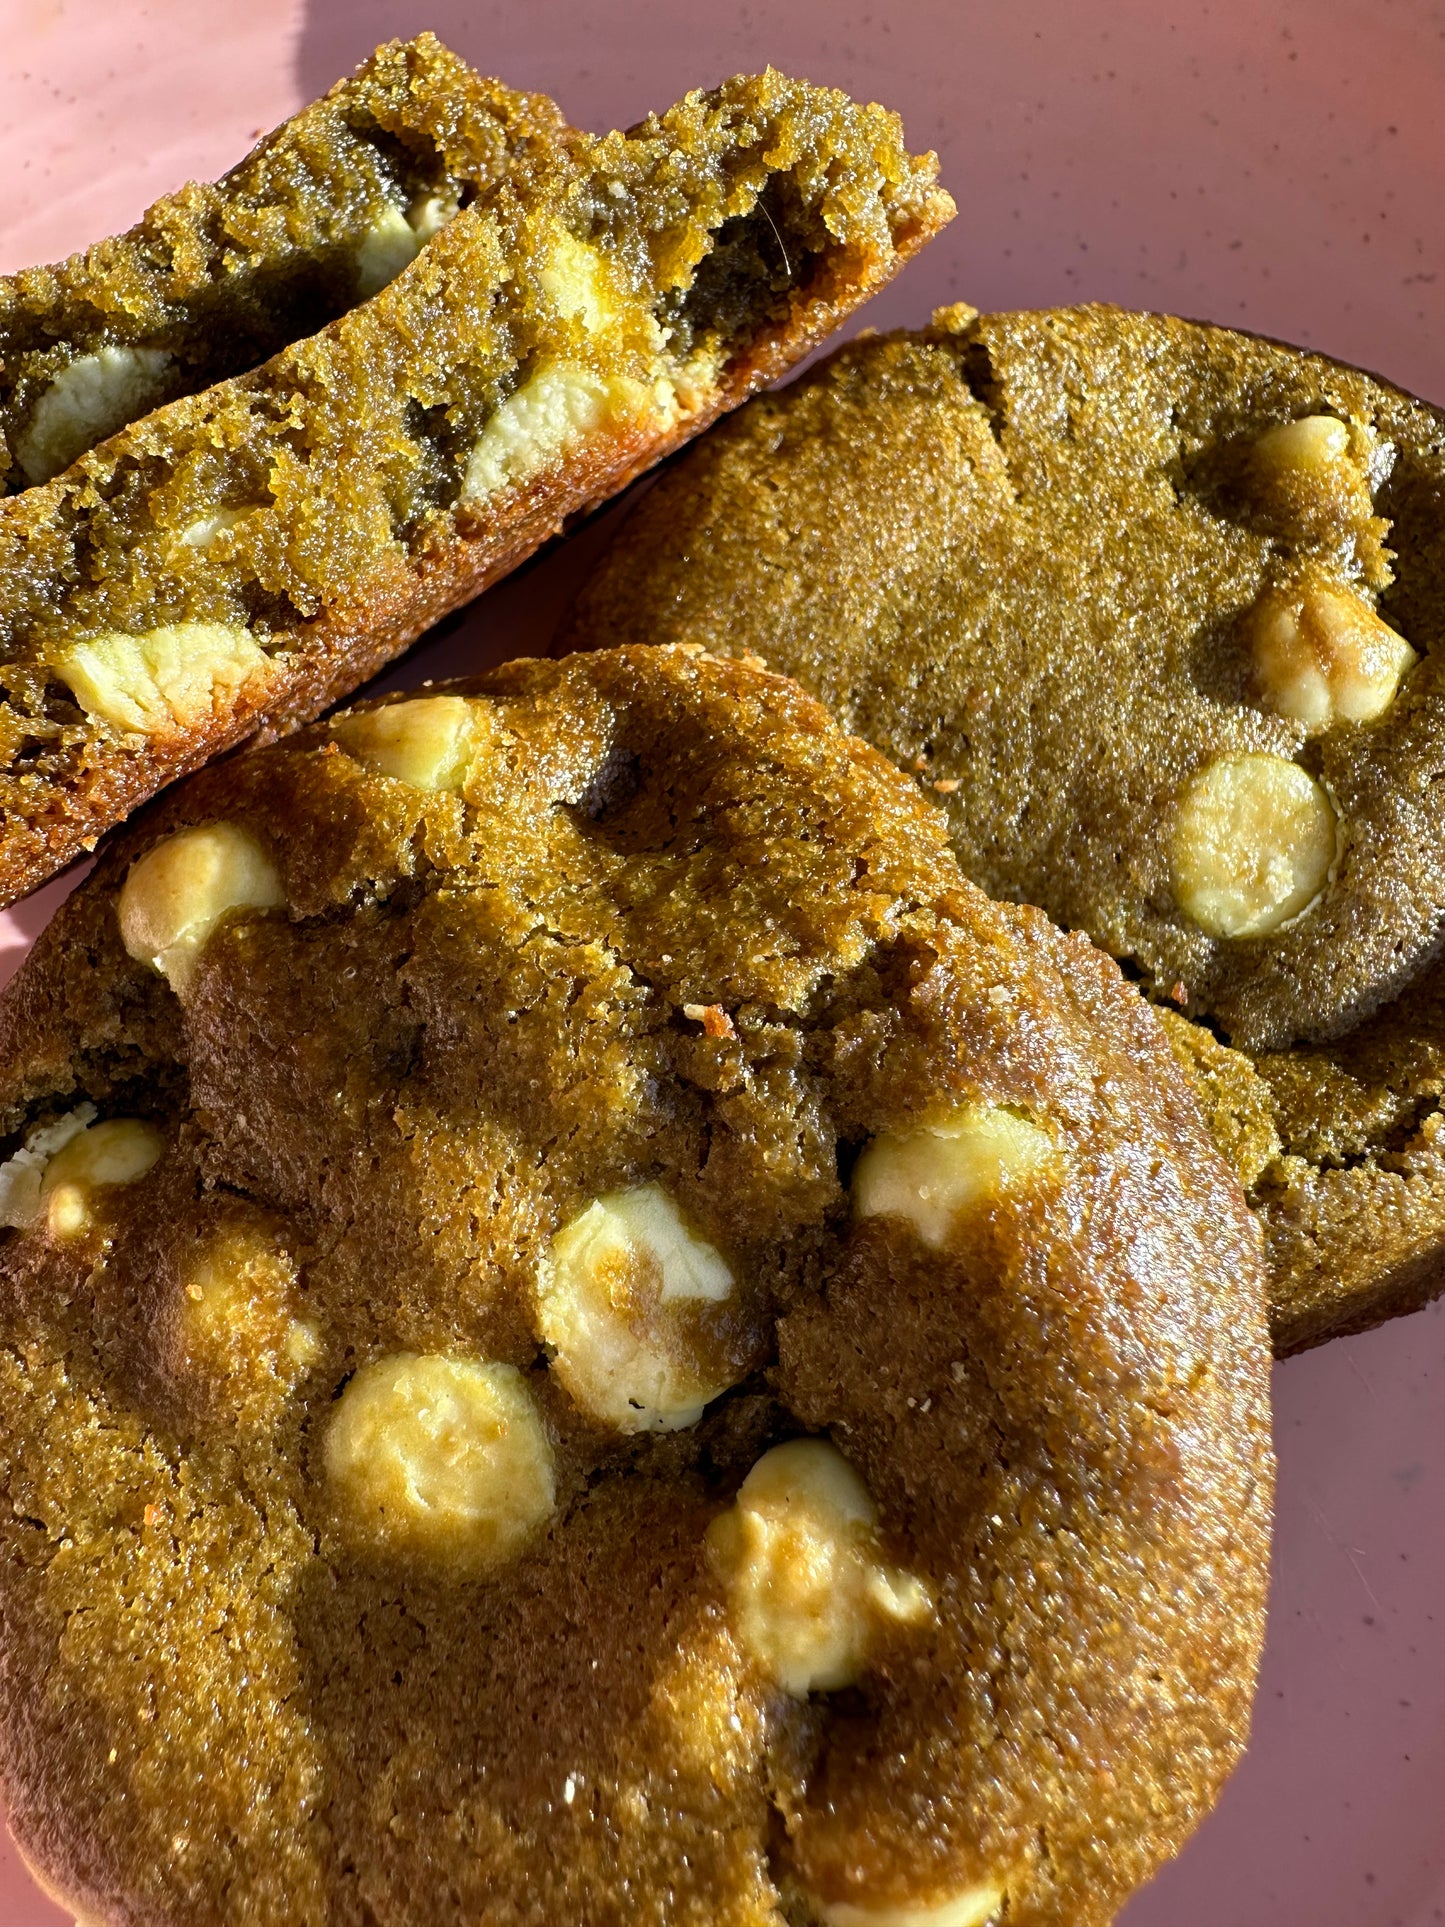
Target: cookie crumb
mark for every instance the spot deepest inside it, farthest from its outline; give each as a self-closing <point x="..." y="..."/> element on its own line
<point x="946" y="785"/>
<point x="713" y="1018"/>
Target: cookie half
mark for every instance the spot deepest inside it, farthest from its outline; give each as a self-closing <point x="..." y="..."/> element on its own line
<point x="614" y="1339"/>
<point x="1152" y="610"/>
<point x="221" y="275"/>
<point x="234" y="560"/>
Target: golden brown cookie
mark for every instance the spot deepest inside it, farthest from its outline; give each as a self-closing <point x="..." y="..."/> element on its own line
<point x="591" y="1335"/>
<point x="235" y="559"/>
<point x="1151" y="609"/>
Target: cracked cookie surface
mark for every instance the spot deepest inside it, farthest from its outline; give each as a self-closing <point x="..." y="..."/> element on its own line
<point x="599" y="1292"/>
<point x="1152" y="609"/>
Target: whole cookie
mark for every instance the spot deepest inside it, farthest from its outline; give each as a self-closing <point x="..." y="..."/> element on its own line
<point x="1152" y="609"/>
<point x="591" y="1335"/>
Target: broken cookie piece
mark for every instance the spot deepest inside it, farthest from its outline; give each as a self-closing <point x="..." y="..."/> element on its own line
<point x="224" y="515"/>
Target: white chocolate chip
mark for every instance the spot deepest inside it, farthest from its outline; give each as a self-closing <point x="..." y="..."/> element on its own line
<point x="168" y="679"/>
<point x="931" y="1175"/>
<point x="1313" y="442"/>
<point x="203" y="532"/>
<point x="426" y="742"/>
<point x="618" y="1300"/>
<point x="799" y="1558"/>
<point x="1322" y="656"/>
<point x="535" y="427"/>
<point x="177" y="893"/>
<point x="1316" y="477"/>
<point x="575" y="280"/>
<point x="445" y="1458"/>
<point x="92" y="398"/>
<point x="117" y="1151"/>
<point x="395" y="239"/>
<point x="1255" y="841"/>
<point x="970" y="1907"/>
<point x="22" y="1174"/>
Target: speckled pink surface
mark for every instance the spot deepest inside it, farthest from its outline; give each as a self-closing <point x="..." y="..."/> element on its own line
<point x="1280" y="169"/>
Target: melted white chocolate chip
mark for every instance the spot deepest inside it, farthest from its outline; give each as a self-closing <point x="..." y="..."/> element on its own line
<point x="1322" y="656"/>
<point x="442" y="1458"/>
<point x="970" y="1907"/>
<point x="576" y="282"/>
<point x="395" y="239"/>
<point x="117" y="1151"/>
<point x="798" y="1554"/>
<point x="92" y="398"/>
<point x="612" y="1302"/>
<point x="1255" y="840"/>
<point x="931" y="1175"/>
<point x="168" y="679"/>
<point x="533" y="430"/>
<point x="426" y="742"/>
<point x="23" y="1173"/>
<point x="176" y="894"/>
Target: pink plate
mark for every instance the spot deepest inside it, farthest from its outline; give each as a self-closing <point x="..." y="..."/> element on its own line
<point x="1276" y="168"/>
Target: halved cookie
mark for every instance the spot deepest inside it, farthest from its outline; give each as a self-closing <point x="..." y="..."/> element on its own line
<point x="218" y="276"/>
<point x="613" y="1340"/>
<point x="1151" y="608"/>
<point x="237" y="558"/>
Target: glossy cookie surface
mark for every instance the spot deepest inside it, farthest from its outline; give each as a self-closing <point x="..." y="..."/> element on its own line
<point x="613" y="1337"/>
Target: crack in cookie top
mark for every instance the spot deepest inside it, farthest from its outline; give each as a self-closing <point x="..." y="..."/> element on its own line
<point x="1150" y="607"/>
<point x="590" y="1334"/>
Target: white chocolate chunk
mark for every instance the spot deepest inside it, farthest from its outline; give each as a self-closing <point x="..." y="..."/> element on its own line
<point x="425" y="742"/>
<point x="546" y="417"/>
<point x="575" y="281"/>
<point x="1313" y="442"/>
<point x="22" y="1174"/>
<point x="87" y="401"/>
<point x="1322" y="656"/>
<point x="931" y="1175"/>
<point x="970" y="1907"/>
<point x="1255" y="840"/>
<point x="799" y="1558"/>
<point x="615" y="1274"/>
<point x="166" y="680"/>
<point x="445" y="1458"/>
<point x="395" y="239"/>
<point x="430" y="214"/>
<point x="201" y="534"/>
<point x="176" y="894"/>
<point x="118" y="1151"/>
<point x="389" y="246"/>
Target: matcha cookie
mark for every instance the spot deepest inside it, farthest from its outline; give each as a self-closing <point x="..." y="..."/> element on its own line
<point x="1151" y="609"/>
<point x="591" y="1335"/>
<point x="530" y="316"/>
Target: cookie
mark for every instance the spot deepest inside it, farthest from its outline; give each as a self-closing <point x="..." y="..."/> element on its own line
<point x="235" y="559"/>
<point x="221" y="275"/>
<point x="592" y="1335"/>
<point x="1151" y="609"/>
